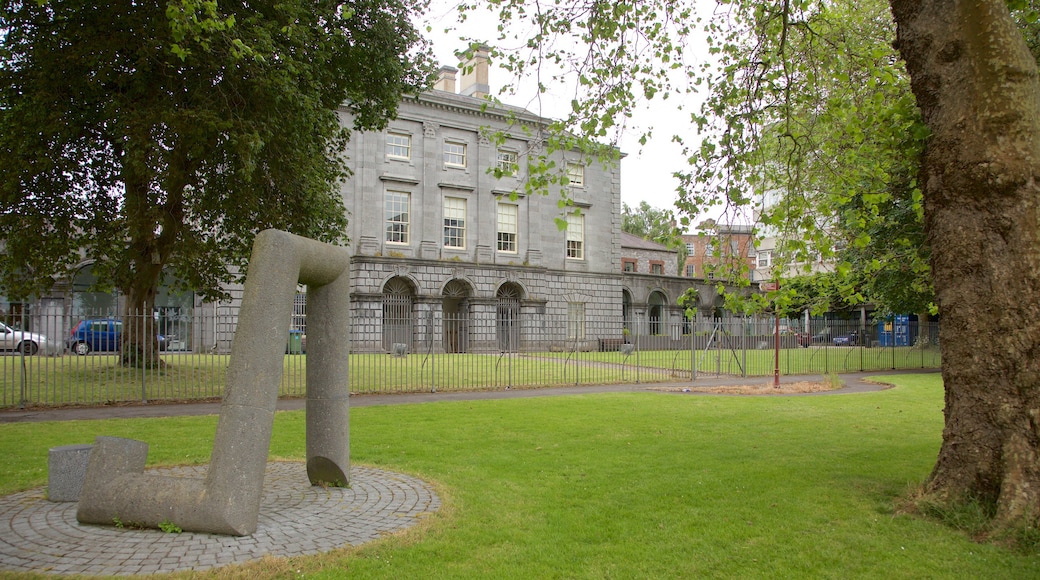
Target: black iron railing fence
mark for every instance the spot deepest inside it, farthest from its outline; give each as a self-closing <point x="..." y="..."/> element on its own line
<point x="62" y="360"/>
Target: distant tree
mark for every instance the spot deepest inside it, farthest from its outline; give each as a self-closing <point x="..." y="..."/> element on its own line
<point x="651" y="223"/>
<point x="152" y="137"/>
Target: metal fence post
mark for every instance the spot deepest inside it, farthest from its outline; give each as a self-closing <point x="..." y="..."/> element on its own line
<point x="693" y="345"/>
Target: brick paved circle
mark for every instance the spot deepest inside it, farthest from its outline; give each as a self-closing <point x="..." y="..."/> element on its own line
<point x="296" y="519"/>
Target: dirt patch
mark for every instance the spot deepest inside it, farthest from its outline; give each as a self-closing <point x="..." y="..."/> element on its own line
<point x="757" y="389"/>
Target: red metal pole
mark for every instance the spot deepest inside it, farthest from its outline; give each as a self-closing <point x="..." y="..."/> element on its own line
<point x="776" y="368"/>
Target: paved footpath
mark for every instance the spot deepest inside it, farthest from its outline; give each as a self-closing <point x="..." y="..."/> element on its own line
<point x="854" y="383"/>
<point x="37" y="535"/>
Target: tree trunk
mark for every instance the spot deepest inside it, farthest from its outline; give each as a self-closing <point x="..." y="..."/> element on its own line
<point x="153" y="227"/>
<point x="976" y="84"/>
<point x="140" y="347"/>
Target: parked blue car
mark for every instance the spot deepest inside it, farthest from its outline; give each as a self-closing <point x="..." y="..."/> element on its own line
<point x="101" y="334"/>
<point x="850" y="339"/>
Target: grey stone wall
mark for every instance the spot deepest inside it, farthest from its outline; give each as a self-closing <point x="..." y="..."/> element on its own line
<point x="545" y="295"/>
<point x="643" y="258"/>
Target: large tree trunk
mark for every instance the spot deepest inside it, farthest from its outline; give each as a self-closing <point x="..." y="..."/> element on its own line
<point x="140" y="347"/>
<point x="976" y="84"/>
<point x="153" y="228"/>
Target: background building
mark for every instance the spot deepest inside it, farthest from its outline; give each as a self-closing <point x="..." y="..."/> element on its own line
<point x="717" y="245"/>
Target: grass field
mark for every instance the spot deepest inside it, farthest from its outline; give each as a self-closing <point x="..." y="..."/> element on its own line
<point x="99" y="379"/>
<point x="629" y="485"/>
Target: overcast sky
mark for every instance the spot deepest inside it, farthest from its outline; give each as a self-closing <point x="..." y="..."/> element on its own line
<point x="646" y="171"/>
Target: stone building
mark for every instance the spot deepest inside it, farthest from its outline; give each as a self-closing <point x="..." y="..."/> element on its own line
<point x="448" y="257"/>
<point x="645" y="256"/>
<point x="448" y="252"/>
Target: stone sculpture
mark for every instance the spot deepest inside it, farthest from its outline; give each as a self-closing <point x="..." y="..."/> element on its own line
<point x="227" y="501"/>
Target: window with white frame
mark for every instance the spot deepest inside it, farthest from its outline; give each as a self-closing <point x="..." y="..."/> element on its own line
<point x="576" y="174"/>
<point x="575" y="320"/>
<point x="576" y="236"/>
<point x="454" y="154"/>
<point x="691" y="270"/>
<point x="398" y="146"/>
<point x="507" y="221"/>
<point x="508" y="162"/>
<point x="764" y="259"/>
<point x="691" y="250"/>
<point x="454" y="222"/>
<point x="396" y="212"/>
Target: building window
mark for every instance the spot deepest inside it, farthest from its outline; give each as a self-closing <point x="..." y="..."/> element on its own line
<point x="764" y="259"/>
<point x="507" y="213"/>
<point x="575" y="320"/>
<point x="691" y="250"/>
<point x="396" y="212"/>
<point x="656" y="267"/>
<point x="398" y="146"/>
<point x="454" y="222"/>
<point x="576" y="174"/>
<point x="576" y="236"/>
<point x="508" y="162"/>
<point x="691" y="270"/>
<point x="454" y="154"/>
<point x="709" y="249"/>
<point x="628" y="265"/>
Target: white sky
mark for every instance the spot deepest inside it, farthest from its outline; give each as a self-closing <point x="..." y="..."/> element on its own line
<point x="646" y="172"/>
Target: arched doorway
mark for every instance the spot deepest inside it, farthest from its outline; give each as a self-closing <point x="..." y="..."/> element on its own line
<point x="398" y="295"/>
<point x="626" y="310"/>
<point x="508" y="316"/>
<point x="86" y="302"/>
<point x="456" y="316"/>
<point x="655" y="311"/>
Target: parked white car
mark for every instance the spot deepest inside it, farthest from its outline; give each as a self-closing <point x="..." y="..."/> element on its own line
<point x="28" y="343"/>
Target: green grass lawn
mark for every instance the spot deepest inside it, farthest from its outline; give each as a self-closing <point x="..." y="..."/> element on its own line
<point x="630" y="485"/>
<point x="99" y="378"/>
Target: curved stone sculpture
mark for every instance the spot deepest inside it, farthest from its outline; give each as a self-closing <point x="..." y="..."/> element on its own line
<point x="227" y="501"/>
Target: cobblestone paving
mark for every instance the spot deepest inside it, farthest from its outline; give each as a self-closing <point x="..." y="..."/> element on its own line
<point x="296" y="518"/>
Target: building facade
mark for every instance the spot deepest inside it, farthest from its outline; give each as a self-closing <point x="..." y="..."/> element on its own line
<point x="450" y="254"/>
<point x="720" y="245"/>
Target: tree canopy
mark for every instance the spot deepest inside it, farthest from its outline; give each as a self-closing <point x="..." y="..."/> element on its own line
<point x="648" y="222"/>
<point x="845" y="145"/>
<point x="161" y="137"/>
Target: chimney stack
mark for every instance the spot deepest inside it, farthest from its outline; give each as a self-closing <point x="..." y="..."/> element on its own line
<point x="446" y="79"/>
<point x="475" y="73"/>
